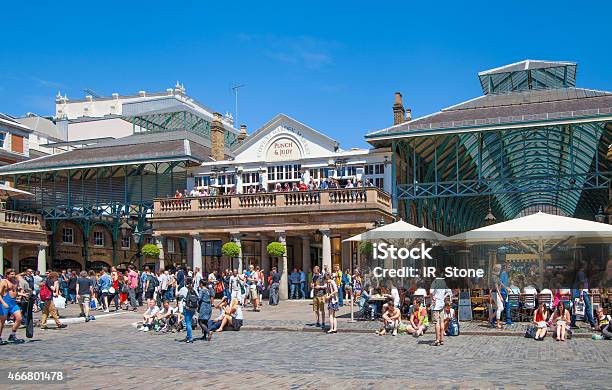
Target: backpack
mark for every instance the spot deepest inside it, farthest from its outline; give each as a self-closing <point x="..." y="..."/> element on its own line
<point x="219" y="287"/>
<point x="45" y="293"/>
<point x="453" y="328"/>
<point x="191" y="300"/>
<point x="153" y="282"/>
<point x="531" y="331"/>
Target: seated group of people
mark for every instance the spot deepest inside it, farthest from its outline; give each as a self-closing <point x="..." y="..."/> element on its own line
<point x="418" y="320"/>
<point x="195" y="307"/>
<point x="560" y="321"/>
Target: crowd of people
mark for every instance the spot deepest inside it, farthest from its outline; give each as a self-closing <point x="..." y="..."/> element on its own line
<point x="311" y="185"/>
<point x="180" y="299"/>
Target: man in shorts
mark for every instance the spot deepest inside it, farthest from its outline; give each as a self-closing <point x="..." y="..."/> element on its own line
<point x="9" y="305"/>
<point x="439" y="293"/>
<point x="149" y="290"/>
<point x="253" y="293"/>
<point x="390" y="319"/>
<point x="318" y="301"/>
<point x="84" y="292"/>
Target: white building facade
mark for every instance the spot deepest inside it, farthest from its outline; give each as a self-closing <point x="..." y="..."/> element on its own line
<point x="285" y="153"/>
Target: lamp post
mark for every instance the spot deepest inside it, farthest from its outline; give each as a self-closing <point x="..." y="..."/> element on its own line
<point x="137" y="235"/>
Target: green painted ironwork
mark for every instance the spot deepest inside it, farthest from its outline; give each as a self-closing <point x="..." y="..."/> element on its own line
<point x="99" y="196"/>
<point x="464" y="174"/>
<point x="178" y="120"/>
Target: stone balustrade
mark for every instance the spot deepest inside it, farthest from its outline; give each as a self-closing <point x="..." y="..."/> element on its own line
<point x="16" y="219"/>
<point x="298" y="200"/>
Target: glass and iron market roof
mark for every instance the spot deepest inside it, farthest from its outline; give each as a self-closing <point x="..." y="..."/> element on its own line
<point x="527" y="99"/>
<point x="522" y="141"/>
<point x="134" y="149"/>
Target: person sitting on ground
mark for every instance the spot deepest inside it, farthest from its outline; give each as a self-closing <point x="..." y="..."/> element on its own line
<point x="216" y="323"/>
<point x="149" y="315"/>
<point x="232" y="318"/>
<point x="448" y="314"/>
<point x="391" y="318"/>
<point x="539" y="319"/>
<point x="166" y="317"/>
<point x="603" y="323"/>
<point x="561" y="320"/>
<point x="418" y="319"/>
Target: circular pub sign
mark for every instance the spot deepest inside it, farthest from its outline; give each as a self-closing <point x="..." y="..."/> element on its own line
<point x="283" y="149"/>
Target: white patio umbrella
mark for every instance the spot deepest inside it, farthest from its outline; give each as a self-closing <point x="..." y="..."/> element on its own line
<point x="537" y="231"/>
<point x="10" y="192"/>
<point x="398" y="230"/>
<point x="537" y="226"/>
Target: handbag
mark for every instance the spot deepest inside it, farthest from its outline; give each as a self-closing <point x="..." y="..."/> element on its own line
<point x="531" y="331"/>
<point x="59" y="302"/>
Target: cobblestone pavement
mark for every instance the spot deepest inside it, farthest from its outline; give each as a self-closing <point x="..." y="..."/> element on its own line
<point x="110" y="353"/>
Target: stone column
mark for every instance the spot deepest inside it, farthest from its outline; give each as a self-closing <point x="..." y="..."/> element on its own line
<point x="2" y="243"/>
<point x="282" y="265"/>
<point x="327" y="256"/>
<point x="306" y="266"/>
<point x="159" y="241"/>
<point x="239" y="183"/>
<point x="346" y="256"/>
<point x="197" y="252"/>
<point x="265" y="258"/>
<point x="15" y="258"/>
<point x="189" y="253"/>
<point x="236" y="238"/>
<point x="42" y="259"/>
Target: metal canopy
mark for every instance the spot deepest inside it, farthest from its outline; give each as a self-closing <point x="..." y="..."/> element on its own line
<point x="173" y="114"/>
<point x="528" y="75"/>
<point x="449" y="179"/>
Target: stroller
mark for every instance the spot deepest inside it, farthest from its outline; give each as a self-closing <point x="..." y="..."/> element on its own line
<point x="364" y="312"/>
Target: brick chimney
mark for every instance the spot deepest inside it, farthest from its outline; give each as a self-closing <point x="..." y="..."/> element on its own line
<point x="399" y="113"/>
<point x="243" y="134"/>
<point x="217" y="138"/>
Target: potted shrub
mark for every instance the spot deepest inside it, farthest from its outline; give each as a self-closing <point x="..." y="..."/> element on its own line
<point x="276" y="249"/>
<point x="230" y="249"/>
<point x="150" y="251"/>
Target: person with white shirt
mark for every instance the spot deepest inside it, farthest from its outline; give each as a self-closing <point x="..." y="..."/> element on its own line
<point x="439" y="293"/>
<point x="197" y="277"/>
<point x="149" y="315"/>
<point x="236" y="283"/>
<point x="393" y="294"/>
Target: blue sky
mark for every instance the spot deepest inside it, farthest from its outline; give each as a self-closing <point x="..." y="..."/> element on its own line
<point x="331" y="65"/>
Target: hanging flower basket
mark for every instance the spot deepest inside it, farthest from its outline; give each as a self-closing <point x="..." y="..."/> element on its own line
<point x="150" y="250"/>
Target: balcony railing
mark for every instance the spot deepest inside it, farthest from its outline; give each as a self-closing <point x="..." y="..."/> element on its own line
<point x="299" y="200"/>
<point x="16" y="219"/>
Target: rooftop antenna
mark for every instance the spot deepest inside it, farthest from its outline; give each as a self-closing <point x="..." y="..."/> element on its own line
<point x="235" y="88"/>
